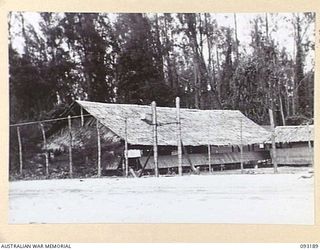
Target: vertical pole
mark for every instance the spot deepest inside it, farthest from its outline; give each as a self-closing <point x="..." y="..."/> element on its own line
<point x="155" y="138"/>
<point x="126" y="147"/>
<point x="45" y="148"/>
<point x="209" y="149"/>
<point x="99" y="149"/>
<point x="309" y="132"/>
<point x="70" y="147"/>
<point x="309" y="145"/>
<point x="209" y="158"/>
<point x="20" y="149"/>
<point x="241" y="147"/>
<point x="273" y="141"/>
<point x="81" y="114"/>
<point x="179" y="136"/>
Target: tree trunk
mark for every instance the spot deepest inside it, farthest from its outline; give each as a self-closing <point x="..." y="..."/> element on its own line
<point x="70" y="148"/>
<point x="267" y="26"/>
<point x="219" y="75"/>
<point x="236" y="37"/>
<point x="179" y="145"/>
<point x="167" y="54"/>
<point x="159" y="49"/>
<point x="281" y="110"/>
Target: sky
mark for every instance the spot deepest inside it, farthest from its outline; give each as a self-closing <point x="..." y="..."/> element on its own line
<point x="283" y="34"/>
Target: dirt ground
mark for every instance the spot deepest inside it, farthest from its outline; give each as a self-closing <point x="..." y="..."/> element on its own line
<point x="257" y="197"/>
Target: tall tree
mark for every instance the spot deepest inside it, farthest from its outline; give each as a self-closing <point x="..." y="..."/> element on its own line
<point x="140" y="68"/>
<point x="87" y="35"/>
<point x="226" y="77"/>
<point x="302" y="94"/>
<point x="203" y="95"/>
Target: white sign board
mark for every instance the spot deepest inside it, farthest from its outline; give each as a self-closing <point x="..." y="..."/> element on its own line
<point x="134" y="153"/>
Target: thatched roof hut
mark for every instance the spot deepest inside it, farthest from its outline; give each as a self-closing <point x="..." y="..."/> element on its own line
<point x="82" y="136"/>
<point x="198" y="127"/>
<point x="289" y="134"/>
<point x="223" y="130"/>
<point x="294" y="144"/>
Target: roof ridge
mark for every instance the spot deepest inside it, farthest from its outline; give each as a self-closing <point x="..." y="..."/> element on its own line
<point x="158" y="107"/>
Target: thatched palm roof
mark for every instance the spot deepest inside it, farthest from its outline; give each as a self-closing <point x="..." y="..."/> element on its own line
<point x="81" y="136"/>
<point x="287" y="134"/>
<point x="198" y="127"/>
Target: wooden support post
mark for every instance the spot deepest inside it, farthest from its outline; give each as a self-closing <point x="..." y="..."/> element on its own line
<point x="45" y="148"/>
<point x="179" y="136"/>
<point x="20" y="150"/>
<point x="70" y="148"/>
<point x="99" y="149"/>
<point x="82" y="118"/>
<point x="309" y="135"/>
<point x="273" y="141"/>
<point x="189" y="160"/>
<point x="123" y="165"/>
<point x="126" y="147"/>
<point x="209" y="158"/>
<point x="241" y="148"/>
<point x="145" y="164"/>
<point x="209" y="149"/>
<point x="155" y="138"/>
<point x="309" y="145"/>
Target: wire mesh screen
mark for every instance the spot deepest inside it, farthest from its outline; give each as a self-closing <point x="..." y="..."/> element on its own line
<point x="42" y="150"/>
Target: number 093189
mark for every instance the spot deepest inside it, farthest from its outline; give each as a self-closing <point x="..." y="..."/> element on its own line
<point x="313" y="246"/>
